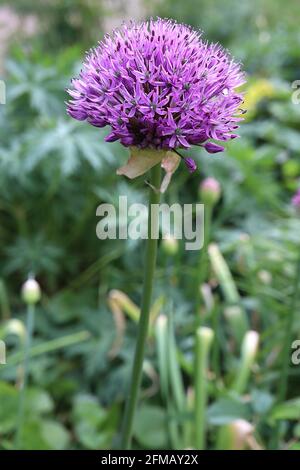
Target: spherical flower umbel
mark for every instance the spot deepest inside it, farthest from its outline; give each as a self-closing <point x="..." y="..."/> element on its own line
<point x="159" y="85"/>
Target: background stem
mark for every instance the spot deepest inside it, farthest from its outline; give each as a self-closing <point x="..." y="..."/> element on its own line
<point x="204" y="337"/>
<point x="285" y="365"/>
<point x="151" y="250"/>
<point x="202" y="268"/>
<point x="286" y="349"/>
<point x="20" y="419"/>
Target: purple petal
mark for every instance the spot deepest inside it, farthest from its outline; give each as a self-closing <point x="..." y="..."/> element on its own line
<point x="190" y="164"/>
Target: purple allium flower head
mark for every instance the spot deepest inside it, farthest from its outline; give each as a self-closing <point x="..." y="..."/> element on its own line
<point x="159" y="85"/>
<point x="296" y="200"/>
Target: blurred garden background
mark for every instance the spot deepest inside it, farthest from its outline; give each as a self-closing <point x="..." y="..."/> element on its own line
<point x="54" y="172"/>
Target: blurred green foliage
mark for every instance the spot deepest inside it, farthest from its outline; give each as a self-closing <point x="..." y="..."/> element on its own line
<point x="54" y="172"/>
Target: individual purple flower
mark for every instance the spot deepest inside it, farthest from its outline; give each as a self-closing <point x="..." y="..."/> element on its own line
<point x="213" y="148"/>
<point x="190" y="164"/>
<point x="159" y="85"/>
<point x="296" y="200"/>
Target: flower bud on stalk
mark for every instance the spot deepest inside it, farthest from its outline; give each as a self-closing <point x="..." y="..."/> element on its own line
<point x="248" y="353"/>
<point x="15" y="327"/>
<point x="170" y="246"/>
<point x="210" y="191"/>
<point x="160" y="87"/>
<point x="238" y="435"/>
<point x="31" y="291"/>
<point x="296" y="201"/>
<point x="31" y="294"/>
<point x="204" y="338"/>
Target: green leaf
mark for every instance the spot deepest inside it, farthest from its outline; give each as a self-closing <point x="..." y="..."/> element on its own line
<point x="9" y="396"/>
<point x="226" y="410"/>
<point x="288" y="410"/>
<point x="91" y="423"/>
<point x="31" y="437"/>
<point x="55" y="435"/>
<point x="295" y="446"/>
<point x="38" y="401"/>
<point x="150" y="427"/>
<point x="43" y="435"/>
<point x="261" y="401"/>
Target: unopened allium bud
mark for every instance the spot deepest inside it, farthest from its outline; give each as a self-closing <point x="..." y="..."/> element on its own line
<point x="250" y="345"/>
<point x="206" y="336"/>
<point x="265" y="276"/>
<point x="170" y="245"/>
<point x="31" y="291"/>
<point x="296" y="200"/>
<point x="248" y="353"/>
<point x="210" y="191"/>
<point x="239" y="432"/>
<point x="237" y="435"/>
<point x="15" y="327"/>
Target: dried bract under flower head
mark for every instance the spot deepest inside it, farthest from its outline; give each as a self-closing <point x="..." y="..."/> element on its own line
<point x="159" y="85"/>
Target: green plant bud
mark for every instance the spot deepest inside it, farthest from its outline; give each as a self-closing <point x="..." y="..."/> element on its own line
<point x="15" y="327"/>
<point x="205" y="335"/>
<point x="170" y="246"/>
<point x="210" y="191"/>
<point x="31" y="292"/>
<point x="250" y="346"/>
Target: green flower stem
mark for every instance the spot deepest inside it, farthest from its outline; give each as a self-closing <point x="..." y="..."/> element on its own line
<point x="286" y="349"/>
<point x="248" y="355"/>
<point x="288" y="336"/>
<point x="204" y="337"/>
<point x="202" y="268"/>
<point x="4" y="302"/>
<point x="216" y="366"/>
<point x="162" y="330"/>
<point x="151" y="251"/>
<point x="29" y="331"/>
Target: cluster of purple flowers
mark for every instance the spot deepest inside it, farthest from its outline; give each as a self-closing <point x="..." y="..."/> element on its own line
<point x="159" y="85"/>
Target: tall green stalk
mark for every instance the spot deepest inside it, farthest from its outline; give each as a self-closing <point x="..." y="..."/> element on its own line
<point x="248" y="355"/>
<point x="285" y="365"/>
<point x="151" y="251"/>
<point x="204" y="337"/>
<point x="202" y="268"/>
<point x="225" y="439"/>
<point x="286" y="350"/>
<point x="21" y="409"/>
